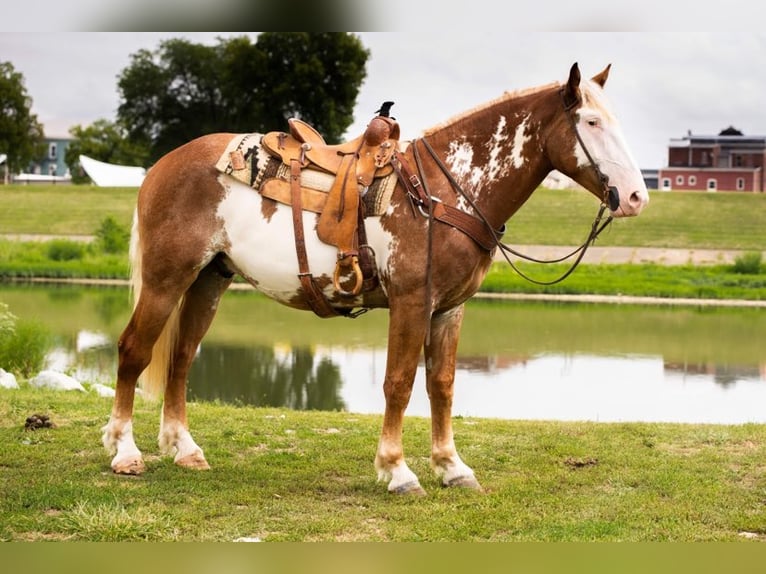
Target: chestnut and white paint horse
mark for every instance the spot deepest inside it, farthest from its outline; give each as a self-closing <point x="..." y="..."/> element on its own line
<point x="195" y="227"/>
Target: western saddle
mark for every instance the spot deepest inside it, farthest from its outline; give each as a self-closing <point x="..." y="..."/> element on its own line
<point x="354" y="165"/>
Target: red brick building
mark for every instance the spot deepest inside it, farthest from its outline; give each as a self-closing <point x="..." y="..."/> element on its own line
<point x="729" y="161"/>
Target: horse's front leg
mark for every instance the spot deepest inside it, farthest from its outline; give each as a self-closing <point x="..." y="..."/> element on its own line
<point x="406" y="333"/>
<point x="441" y="352"/>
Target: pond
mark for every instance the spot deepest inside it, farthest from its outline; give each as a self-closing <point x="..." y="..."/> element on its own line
<point x="517" y="360"/>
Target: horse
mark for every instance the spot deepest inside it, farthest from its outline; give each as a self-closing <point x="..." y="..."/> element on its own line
<point x="195" y="228"/>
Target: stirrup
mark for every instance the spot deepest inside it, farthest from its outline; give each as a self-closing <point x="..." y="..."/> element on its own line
<point x="359" y="279"/>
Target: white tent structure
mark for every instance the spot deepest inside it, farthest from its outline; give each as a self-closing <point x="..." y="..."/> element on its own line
<point x="112" y="175"/>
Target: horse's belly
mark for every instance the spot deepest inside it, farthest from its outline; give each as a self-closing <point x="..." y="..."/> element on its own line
<point x="262" y="243"/>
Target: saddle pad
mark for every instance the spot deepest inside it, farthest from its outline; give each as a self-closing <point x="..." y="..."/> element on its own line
<point x="247" y="161"/>
<point x="239" y="157"/>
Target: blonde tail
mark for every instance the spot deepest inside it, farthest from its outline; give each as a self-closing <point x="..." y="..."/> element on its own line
<point x="154" y="378"/>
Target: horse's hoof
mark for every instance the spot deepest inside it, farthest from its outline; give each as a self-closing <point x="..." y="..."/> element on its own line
<point x="412" y="488"/>
<point x="464" y="482"/>
<point x="132" y="466"/>
<point x="195" y="461"/>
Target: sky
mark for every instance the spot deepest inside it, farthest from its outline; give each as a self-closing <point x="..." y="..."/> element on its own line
<point x="662" y="84"/>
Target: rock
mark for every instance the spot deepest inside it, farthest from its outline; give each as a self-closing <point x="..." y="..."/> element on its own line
<point x="8" y="380"/>
<point x="102" y="390"/>
<point x="56" y="381"/>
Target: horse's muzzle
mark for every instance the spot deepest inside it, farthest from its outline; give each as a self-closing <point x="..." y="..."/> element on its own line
<point x="633" y="206"/>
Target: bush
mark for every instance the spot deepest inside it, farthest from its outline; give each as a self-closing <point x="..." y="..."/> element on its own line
<point x="112" y="237"/>
<point x="748" y="263"/>
<point x="65" y="250"/>
<point x="23" y="344"/>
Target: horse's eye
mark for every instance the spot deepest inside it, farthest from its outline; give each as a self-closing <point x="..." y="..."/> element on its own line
<point x="593" y="122"/>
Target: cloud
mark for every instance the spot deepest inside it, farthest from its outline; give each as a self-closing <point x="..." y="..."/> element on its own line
<point x="661" y="85"/>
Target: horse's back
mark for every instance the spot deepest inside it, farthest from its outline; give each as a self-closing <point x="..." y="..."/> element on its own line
<point x="192" y="159"/>
<point x="185" y="176"/>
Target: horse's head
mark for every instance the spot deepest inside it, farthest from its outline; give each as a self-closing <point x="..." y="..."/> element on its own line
<point x="595" y="154"/>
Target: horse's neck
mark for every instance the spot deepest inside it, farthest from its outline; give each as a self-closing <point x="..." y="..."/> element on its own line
<point x="497" y="153"/>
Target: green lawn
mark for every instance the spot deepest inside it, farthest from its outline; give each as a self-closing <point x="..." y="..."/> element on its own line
<point x="550" y="217"/>
<point x="62" y="209"/>
<point x="280" y="475"/>
<point x="679" y="220"/>
<point x="640" y="280"/>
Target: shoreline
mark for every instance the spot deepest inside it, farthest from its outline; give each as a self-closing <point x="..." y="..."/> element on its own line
<point x="544" y="297"/>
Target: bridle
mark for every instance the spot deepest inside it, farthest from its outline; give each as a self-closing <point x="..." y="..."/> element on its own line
<point x="417" y="189"/>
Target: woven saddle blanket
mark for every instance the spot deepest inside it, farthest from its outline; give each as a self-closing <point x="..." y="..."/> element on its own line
<point x="246" y="160"/>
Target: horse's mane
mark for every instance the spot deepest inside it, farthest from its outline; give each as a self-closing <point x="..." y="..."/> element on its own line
<point x="515" y="94"/>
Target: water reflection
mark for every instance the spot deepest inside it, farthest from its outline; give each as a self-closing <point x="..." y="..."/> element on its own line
<point x="516" y="360"/>
<point x="725" y="375"/>
<point x="266" y="376"/>
<point x="545" y="386"/>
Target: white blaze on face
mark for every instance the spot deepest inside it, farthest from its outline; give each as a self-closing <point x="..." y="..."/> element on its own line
<point x="602" y="135"/>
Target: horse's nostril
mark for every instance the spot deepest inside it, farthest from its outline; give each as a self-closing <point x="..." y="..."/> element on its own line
<point x="637" y="199"/>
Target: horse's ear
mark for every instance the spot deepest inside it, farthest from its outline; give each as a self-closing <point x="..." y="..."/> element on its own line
<point x="572" y="89"/>
<point x="601" y="77"/>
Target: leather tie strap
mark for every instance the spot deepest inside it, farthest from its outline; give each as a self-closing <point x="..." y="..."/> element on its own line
<point x="366" y="254"/>
<point x="314" y="296"/>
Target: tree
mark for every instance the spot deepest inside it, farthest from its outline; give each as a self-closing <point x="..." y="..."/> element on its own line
<point x="184" y="90"/>
<point x="105" y="141"/>
<point x="21" y="135"/>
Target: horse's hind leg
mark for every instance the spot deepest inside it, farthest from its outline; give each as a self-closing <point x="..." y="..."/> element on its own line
<point x="197" y="312"/>
<point x="135" y="352"/>
<point x="440" y="377"/>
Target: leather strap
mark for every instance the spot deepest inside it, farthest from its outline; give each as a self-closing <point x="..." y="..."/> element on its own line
<point x="366" y="254"/>
<point x="314" y="296"/>
<point x="472" y="226"/>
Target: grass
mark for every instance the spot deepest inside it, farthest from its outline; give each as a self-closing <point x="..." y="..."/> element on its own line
<point x="27" y="259"/>
<point x="673" y="220"/>
<point x="282" y="475"/>
<point x="31" y="259"/>
<point x="645" y="280"/>
<point x="553" y="217"/>
<point x="24" y="343"/>
<point x="63" y="209"/>
<point x="686" y="220"/>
